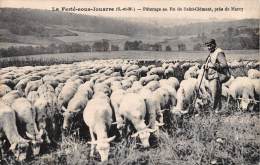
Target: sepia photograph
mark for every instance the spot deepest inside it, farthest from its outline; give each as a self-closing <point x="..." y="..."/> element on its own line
<point x="129" y="82"/>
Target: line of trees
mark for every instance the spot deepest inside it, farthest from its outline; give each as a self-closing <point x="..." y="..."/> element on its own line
<point x="52" y="48"/>
<point x="98" y="46"/>
<point x="139" y="45"/>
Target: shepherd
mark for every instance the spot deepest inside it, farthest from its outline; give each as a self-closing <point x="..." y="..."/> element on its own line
<point x="216" y="72"/>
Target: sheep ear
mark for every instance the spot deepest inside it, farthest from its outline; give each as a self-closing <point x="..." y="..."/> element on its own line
<point x="92" y="142"/>
<point x="29" y="135"/>
<point x="110" y="139"/>
<point x="63" y="109"/>
<point x="159" y="124"/>
<point x="13" y="147"/>
<point x="135" y="135"/>
<point x="114" y="123"/>
<point x="77" y="110"/>
<point x="152" y="130"/>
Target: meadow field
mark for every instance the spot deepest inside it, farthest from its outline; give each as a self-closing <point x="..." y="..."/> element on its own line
<point x="49" y="59"/>
<point x="6" y="45"/>
<point x="231" y="137"/>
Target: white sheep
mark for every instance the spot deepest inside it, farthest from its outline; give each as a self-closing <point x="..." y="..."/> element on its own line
<point x="67" y="92"/>
<point x="98" y="117"/>
<point x="103" y="88"/>
<point x="185" y="95"/>
<point x="4" y="89"/>
<point x="19" y="146"/>
<point x="25" y="116"/>
<point x="242" y="88"/>
<point x="253" y="74"/>
<point x="157" y="71"/>
<point x="136" y="87"/>
<point x="192" y="72"/>
<point x="33" y="96"/>
<point x="11" y="96"/>
<point x="32" y="86"/>
<point x="77" y="104"/>
<point x="49" y="79"/>
<point x="148" y="78"/>
<point x="172" y="81"/>
<point x="133" y="108"/>
<point x="59" y="88"/>
<point x="152" y="85"/>
<point x="9" y="82"/>
<point x="116" y="98"/>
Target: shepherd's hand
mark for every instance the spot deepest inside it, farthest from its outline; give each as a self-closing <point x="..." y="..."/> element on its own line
<point x="210" y="65"/>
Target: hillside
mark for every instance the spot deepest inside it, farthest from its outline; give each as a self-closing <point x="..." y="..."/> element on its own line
<point x="42" y="27"/>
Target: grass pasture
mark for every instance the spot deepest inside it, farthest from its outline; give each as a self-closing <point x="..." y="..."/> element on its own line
<point x="6" y="45"/>
<point x="86" y="37"/>
<point x="49" y="59"/>
<point x="206" y="139"/>
<point x="231" y="137"/>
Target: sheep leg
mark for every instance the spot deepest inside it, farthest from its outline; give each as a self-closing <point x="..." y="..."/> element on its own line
<point x="92" y="145"/>
<point x="228" y="101"/>
<point x="238" y="106"/>
<point x="1" y="151"/>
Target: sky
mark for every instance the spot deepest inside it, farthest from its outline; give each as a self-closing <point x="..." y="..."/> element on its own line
<point x="245" y="8"/>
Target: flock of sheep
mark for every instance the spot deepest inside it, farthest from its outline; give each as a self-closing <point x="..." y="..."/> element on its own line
<point x="101" y="94"/>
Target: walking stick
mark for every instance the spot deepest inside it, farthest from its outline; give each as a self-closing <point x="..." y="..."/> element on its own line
<point x="196" y="95"/>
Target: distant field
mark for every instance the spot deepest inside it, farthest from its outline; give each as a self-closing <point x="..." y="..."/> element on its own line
<point x="6" y="45"/>
<point x="48" y="59"/>
<point x="85" y="37"/>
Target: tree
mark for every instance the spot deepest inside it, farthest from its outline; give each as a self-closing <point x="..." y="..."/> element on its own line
<point x="181" y="47"/>
<point x="114" y="48"/>
<point x="198" y="47"/>
<point x="135" y="45"/>
<point x="168" y="48"/>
